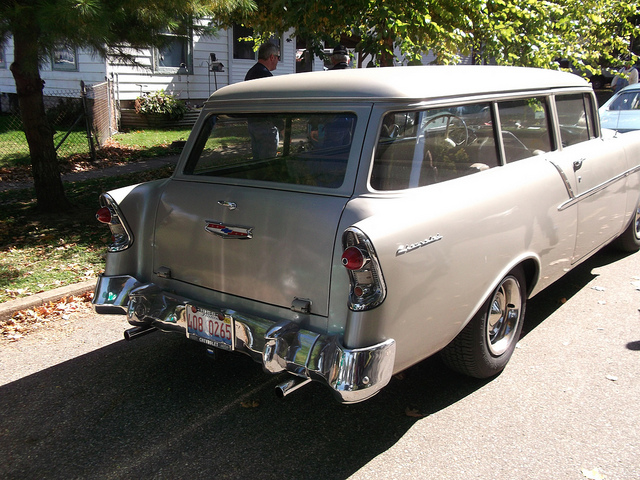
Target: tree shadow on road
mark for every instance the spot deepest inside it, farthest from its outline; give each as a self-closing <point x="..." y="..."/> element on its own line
<point x="158" y="407"/>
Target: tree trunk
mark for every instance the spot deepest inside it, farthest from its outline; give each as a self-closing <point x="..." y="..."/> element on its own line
<point x="44" y="163"/>
<point x="386" y="55"/>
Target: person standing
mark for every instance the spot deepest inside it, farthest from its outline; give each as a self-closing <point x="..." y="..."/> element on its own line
<point x="340" y="58"/>
<point x="629" y="77"/>
<point x="268" y="56"/>
<point x="264" y="133"/>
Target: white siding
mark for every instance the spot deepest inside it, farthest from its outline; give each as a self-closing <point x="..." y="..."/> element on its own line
<point x="7" y="84"/>
<point x="194" y="87"/>
<point x="91" y="69"/>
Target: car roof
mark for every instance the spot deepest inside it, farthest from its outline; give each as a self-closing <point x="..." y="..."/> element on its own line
<point x="634" y="86"/>
<point x="415" y="82"/>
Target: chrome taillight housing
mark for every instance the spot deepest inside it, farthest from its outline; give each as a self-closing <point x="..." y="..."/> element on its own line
<point x="109" y="213"/>
<point x="367" y="287"/>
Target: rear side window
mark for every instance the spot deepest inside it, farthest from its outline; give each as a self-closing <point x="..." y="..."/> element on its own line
<point x="575" y="116"/>
<point x="418" y="148"/>
<point x="524" y="126"/>
<point x="301" y="149"/>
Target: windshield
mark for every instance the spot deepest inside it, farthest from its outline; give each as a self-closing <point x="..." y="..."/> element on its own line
<point x="302" y="149"/>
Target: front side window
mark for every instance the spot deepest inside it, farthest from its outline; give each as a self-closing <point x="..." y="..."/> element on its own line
<point x="575" y="115"/>
<point x="524" y="126"/>
<point x="64" y="57"/>
<point x="302" y="149"/>
<point x="418" y="148"/>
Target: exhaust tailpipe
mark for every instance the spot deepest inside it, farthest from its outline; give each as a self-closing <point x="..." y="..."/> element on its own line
<point x="137" y="332"/>
<point x="290" y="386"/>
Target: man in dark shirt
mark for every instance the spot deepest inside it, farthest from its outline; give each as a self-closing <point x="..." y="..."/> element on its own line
<point x="268" y="56"/>
<point x="263" y="132"/>
<point x="340" y="58"/>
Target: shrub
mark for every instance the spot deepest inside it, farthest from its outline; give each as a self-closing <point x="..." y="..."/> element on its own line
<point x="161" y="103"/>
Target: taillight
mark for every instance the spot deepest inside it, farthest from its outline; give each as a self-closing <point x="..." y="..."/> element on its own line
<point x="110" y="214"/>
<point x="353" y="259"/>
<point x="104" y="215"/>
<point x="367" y="287"/>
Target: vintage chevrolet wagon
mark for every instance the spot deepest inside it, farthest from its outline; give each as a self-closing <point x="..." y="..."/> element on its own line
<point x="343" y="226"/>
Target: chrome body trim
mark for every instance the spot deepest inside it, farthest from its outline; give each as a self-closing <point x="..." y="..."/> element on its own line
<point x="121" y="239"/>
<point x="573" y="200"/>
<point x="354" y="375"/>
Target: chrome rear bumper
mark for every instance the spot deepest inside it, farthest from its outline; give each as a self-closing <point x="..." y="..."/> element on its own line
<point x="354" y="375"/>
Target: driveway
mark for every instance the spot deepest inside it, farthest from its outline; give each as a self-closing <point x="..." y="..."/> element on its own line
<point x="79" y="402"/>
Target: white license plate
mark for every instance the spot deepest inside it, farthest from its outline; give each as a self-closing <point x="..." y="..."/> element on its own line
<point x="213" y="328"/>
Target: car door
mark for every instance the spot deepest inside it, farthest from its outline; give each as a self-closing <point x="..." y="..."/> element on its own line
<point x="592" y="168"/>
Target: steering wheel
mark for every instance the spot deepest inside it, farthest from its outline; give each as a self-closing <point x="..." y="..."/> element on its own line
<point x="456" y="132"/>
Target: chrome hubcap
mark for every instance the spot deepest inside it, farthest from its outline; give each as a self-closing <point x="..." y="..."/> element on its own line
<point x="637" y="222"/>
<point x="504" y="316"/>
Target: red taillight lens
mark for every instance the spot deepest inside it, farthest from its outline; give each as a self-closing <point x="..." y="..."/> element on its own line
<point x="353" y="259"/>
<point x="104" y="215"/>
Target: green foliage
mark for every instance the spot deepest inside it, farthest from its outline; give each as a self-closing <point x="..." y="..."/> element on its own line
<point x="161" y="103"/>
<point x="535" y="33"/>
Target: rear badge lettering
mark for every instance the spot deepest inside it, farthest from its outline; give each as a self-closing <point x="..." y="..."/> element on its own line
<point x="228" y="231"/>
<point x="402" y="249"/>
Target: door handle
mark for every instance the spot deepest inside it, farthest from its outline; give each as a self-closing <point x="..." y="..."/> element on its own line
<point x="577" y="164"/>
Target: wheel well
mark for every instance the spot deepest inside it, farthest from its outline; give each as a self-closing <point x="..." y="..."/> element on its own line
<point x="531" y="272"/>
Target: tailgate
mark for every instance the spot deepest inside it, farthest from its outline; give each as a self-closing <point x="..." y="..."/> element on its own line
<point x="273" y="247"/>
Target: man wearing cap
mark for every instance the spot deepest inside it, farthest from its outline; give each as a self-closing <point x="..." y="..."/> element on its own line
<point x="340" y="58"/>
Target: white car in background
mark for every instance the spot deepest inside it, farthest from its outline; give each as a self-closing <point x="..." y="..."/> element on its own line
<point x="622" y="111"/>
<point x="342" y="226"/>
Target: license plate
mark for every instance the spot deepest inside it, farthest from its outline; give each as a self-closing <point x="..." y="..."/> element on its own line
<point x="213" y="328"/>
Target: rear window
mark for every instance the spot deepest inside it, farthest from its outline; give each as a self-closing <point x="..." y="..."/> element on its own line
<point x="301" y="149"/>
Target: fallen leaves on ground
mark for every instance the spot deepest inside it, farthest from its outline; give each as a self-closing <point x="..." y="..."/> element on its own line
<point x="24" y="322"/>
<point x="413" y="412"/>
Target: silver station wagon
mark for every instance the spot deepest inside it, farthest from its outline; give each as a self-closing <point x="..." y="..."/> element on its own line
<point x="343" y="226"/>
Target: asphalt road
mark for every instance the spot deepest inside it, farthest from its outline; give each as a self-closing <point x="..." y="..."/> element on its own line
<point x="79" y="402"/>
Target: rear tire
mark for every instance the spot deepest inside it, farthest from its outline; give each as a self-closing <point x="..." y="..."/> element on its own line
<point x="629" y="241"/>
<point x="483" y="348"/>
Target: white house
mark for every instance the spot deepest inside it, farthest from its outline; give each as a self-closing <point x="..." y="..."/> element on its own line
<point x="190" y="67"/>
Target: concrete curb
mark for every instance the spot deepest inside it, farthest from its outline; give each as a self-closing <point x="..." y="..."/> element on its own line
<point x="7" y="309"/>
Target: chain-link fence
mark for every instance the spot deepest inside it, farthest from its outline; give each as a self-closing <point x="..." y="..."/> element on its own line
<point x="82" y="120"/>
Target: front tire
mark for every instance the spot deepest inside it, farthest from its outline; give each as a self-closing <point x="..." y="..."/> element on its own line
<point x="629" y="241"/>
<point x="483" y="348"/>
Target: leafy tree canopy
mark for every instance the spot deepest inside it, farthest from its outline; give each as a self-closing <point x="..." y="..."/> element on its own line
<point x="537" y="33"/>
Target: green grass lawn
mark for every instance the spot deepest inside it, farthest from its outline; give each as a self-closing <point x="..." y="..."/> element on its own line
<point x="14" y="151"/>
<point x="151" y="138"/>
<point x="40" y="252"/>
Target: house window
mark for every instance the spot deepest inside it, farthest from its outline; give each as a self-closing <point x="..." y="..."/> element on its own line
<point x="64" y="57"/>
<point x="243" y="49"/>
<point x="3" y="61"/>
<point x="175" y="54"/>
